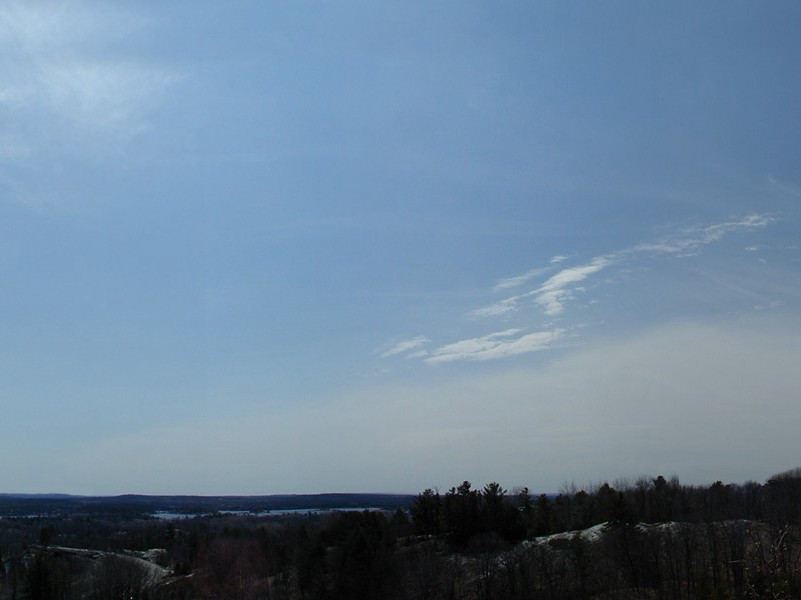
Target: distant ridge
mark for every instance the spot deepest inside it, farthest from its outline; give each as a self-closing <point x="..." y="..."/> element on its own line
<point x="43" y="496"/>
<point x="63" y="504"/>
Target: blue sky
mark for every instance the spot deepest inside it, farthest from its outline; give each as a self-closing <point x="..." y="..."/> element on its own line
<point x="264" y="247"/>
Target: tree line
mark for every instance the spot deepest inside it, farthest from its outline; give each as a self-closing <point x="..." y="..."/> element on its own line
<point x="651" y="538"/>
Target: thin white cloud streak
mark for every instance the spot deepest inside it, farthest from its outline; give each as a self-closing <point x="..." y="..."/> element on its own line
<point x="499" y="308"/>
<point x="518" y="280"/>
<point x="405" y="346"/>
<point x="690" y="241"/>
<point x="494" y="346"/>
<point x="553" y="295"/>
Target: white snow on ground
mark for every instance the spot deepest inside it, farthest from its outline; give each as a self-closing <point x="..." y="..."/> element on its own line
<point x="646" y="527"/>
<point x="155" y="572"/>
<point x="596" y="532"/>
<point x="591" y="534"/>
<point x="154" y="555"/>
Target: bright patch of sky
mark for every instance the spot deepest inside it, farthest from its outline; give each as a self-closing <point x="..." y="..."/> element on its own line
<point x="272" y="247"/>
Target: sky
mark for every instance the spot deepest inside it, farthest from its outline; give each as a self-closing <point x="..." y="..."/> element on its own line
<point x="299" y="247"/>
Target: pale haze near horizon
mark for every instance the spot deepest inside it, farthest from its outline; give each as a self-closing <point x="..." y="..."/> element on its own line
<point x="262" y="248"/>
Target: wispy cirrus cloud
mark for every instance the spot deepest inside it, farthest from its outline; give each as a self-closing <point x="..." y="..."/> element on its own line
<point x="100" y="95"/>
<point x="554" y="293"/>
<point x="73" y="88"/>
<point x="518" y="280"/>
<point x="405" y="346"/>
<point x="499" y="308"/>
<point x="689" y="241"/>
<point x="61" y="64"/>
<point x="500" y="344"/>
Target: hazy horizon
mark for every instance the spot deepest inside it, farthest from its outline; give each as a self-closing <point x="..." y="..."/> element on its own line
<point x="263" y="248"/>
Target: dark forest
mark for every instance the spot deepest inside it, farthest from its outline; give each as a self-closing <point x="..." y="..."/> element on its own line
<point x="648" y="538"/>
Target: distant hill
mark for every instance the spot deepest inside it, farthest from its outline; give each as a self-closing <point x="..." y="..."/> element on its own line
<point x="39" y="496"/>
<point x="16" y="505"/>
